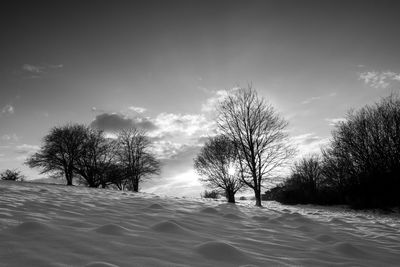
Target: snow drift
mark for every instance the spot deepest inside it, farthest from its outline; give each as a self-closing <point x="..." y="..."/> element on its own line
<point x="53" y="225"/>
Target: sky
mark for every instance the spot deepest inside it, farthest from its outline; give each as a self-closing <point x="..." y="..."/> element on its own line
<point x="163" y="65"/>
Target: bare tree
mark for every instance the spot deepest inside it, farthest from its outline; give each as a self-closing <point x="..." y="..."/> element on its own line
<point x="95" y="158"/>
<point x="259" y="134"/>
<point x="217" y="164"/>
<point x="363" y="158"/>
<point x="134" y="155"/>
<point x="309" y="171"/>
<point x="60" y="150"/>
<point x="116" y="175"/>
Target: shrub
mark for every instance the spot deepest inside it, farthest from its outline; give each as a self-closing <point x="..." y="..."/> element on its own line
<point x="211" y="194"/>
<point x="12" y="175"/>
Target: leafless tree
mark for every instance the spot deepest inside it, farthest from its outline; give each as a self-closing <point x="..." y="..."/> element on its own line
<point x="95" y="158"/>
<point x="134" y="155"/>
<point x="364" y="154"/>
<point x="259" y="134"/>
<point x="309" y="171"/>
<point x="217" y="165"/>
<point x="60" y="150"/>
<point x="116" y="176"/>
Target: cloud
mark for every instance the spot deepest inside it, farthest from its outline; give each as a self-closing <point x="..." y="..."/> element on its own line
<point x="37" y="71"/>
<point x="335" y="121"/>
<point x="183" y="124"/>
<point x="311" y="99"/>
<point x="33" y="68"/>
<point x="139" y="110"/>
<point x="315" y="98"/>
<point x="7" y="109"/>
<point x="115" y="122"/>
<point x="210" y="104"/>
<point x="165" y="149"/>
<point x="26" y="149"/>
<point x="9" y="137"/>
<point x="379" y="80"/>
<point x="309" y="143"/>
<point x="217" y="96"/>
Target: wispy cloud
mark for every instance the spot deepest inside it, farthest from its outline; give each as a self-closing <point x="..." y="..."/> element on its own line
<point x="379" y="79"/>
<point x="139" y="110"/>
<point x="26" y="149"/>
<point x="216" y="97"/>
<point x="335" y="121"/>
<point x="311" y="99"/>
<point x="9" y="137"/>
<point x="37" y="71"/>
<point x="309" y="143"/>
<point x="7" y="109"/>
<point x="33" y="68"/>
<point x="315" y="98"/>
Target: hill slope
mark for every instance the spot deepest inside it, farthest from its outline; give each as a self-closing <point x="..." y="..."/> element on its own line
<point x="54" y="225"/>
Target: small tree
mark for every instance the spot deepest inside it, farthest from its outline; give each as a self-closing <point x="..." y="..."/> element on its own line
<point x="60" y="150"/>
<point x="259" y="134"/>
<point x="217" y="165"/>
<point x="12" y="175"/>
<point x="134" y="155"/>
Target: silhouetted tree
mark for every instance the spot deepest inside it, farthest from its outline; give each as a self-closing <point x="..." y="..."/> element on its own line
<point x="12" y="175"/>
<point x="360" y="166"/>
<point x="116" y="176"/>
<point x="217" y="164"/>
<point x="337" y="170"/>
<point x="95" y="158"/>
<point x="309" y="171"/>
<point x="367" y="146"/>
<point x="259" y="134"/>
<point x="60" y="150"/>
<point x="134" y="155"/>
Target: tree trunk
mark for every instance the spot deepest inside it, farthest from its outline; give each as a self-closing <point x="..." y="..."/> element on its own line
<point x="68" y="177"/>
<point x="135" y="185"/>
<point x="257" y="194"/>
<point x="230" y="196"/>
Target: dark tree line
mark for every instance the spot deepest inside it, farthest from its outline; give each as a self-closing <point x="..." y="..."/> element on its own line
<point x="360" y="166"/>
<point x="78" y="151"/>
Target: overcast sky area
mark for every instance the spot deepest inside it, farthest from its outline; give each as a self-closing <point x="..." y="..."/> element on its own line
<point x="162" y="65"/>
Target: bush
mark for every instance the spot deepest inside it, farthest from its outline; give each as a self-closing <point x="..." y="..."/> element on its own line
<point x="11" y="175"/>
<point x="211" y="194"/>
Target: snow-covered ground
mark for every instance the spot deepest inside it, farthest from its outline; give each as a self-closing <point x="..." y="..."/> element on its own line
<point x="53" y="225"/>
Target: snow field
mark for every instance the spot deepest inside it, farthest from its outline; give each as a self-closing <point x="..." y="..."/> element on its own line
<point x="54" y="225"/>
